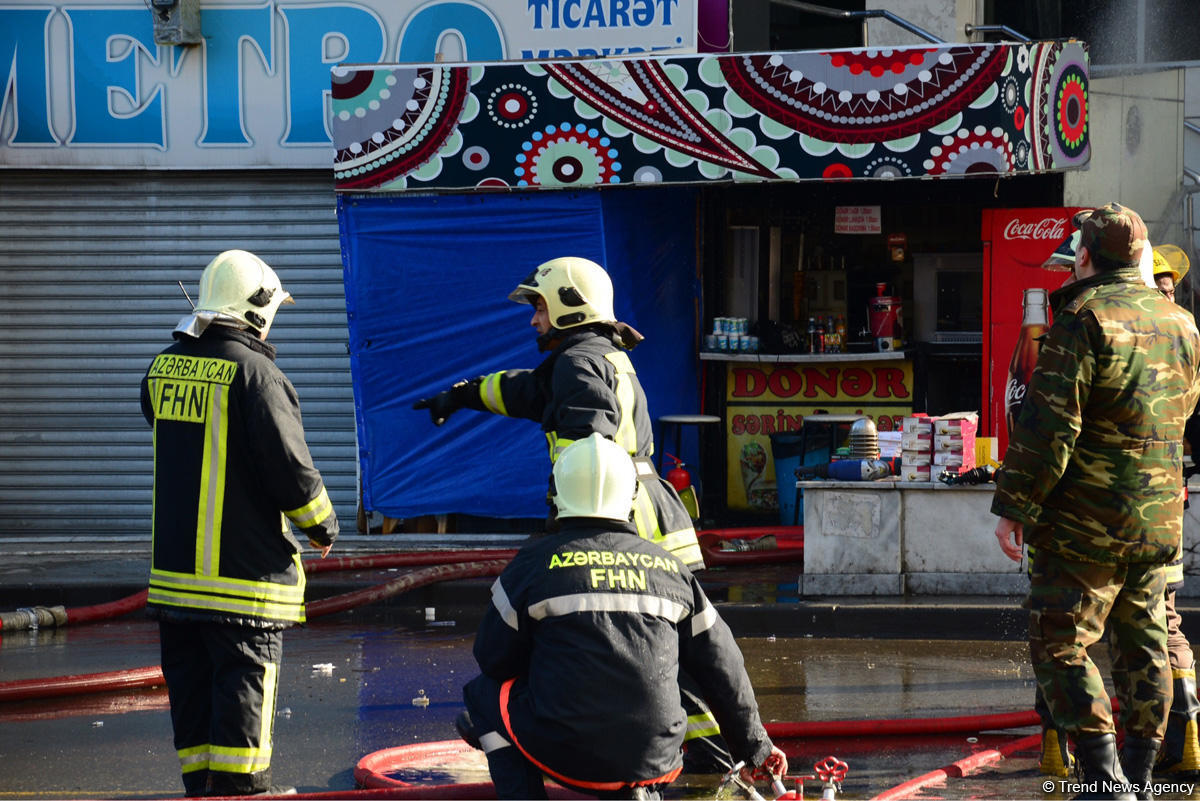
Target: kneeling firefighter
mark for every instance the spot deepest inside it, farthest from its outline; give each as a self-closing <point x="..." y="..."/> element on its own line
<point x="568" y="688"/>
<point x="586" y="385"/>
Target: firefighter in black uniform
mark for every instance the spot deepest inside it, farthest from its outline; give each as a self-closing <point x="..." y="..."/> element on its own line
<point x="580" y="647"/>
<point x="587" y="385"/>
<point x="231" y="470"/>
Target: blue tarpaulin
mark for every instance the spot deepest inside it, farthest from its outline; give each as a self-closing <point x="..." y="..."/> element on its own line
<point x="427" y="284"/>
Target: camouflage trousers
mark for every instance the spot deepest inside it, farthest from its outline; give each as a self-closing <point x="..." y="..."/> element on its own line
<point x="1069" y="604"/>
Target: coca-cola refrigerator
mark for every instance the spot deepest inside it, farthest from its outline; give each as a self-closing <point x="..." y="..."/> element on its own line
<point x="1020" y="269"/>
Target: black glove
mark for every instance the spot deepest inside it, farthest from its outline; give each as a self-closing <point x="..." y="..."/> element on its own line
<point x="444" y="404"/>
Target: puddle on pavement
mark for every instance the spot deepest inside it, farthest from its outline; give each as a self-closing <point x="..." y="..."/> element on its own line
<point x="349" y="683"/>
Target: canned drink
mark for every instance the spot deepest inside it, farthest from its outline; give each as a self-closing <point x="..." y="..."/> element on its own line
<point x="742" y="326"/>
<point x="744" y="344"/>
<point x="754" y="344"/>
<point x="722" y="342"/>
<point x="719" y="325"/>
<point x="710" y="342"/>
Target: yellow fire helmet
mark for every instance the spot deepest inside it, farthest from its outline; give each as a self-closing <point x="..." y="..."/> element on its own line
<point x="594" y="477"/>
<point x="577" y="292"/>
<point x="1171" y="259"/>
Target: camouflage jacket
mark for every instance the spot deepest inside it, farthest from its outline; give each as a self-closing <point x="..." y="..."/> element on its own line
<point x="1095" y="461"/>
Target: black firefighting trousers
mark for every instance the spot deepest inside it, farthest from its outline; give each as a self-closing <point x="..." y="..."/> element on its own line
<point x="222" y="681"/>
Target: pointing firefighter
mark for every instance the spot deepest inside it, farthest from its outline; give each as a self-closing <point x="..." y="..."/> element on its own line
<point x="586" y="385"/>
<point x="231" y="472"/>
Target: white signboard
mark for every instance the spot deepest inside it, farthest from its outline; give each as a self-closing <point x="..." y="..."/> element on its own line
<point x="87" y="86"/>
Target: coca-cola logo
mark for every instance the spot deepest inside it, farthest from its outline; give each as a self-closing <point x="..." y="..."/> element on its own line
<point x="1049" y="228"/>
<point x="1014" y="393"/>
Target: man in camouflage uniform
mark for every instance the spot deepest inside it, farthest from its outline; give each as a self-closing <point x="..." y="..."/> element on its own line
<point x="1093" y="478"/>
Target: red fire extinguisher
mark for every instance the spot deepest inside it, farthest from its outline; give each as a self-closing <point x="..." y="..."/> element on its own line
<point x="677" y="476"/>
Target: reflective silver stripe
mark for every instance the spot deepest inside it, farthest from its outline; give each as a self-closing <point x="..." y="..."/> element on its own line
<point x="645" y="466"/>
<point x="704" y="620"/>
<point x="493" y="741"/>
<point x="489" y="393"/>
<point x="313" y="512"/>
<point x="503" y="605"/>
<point x="235" y="588"/>
<point x="212" y="479"/>
<point x="608" y="602"/>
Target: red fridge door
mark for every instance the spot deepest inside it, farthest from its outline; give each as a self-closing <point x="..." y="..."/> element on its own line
<point x="1017" y="249"/>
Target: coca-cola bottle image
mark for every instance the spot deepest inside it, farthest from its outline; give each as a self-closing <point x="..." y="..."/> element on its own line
<point x="1025" y="355"/>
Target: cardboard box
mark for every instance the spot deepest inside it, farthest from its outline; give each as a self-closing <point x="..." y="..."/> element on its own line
<point x="915" y="441"/>
<point x="915" y="458"/>
<point x="951" y="459"/>
<point x="948" y="442"/>
<point x="918" y="424"/>
<point x="914" y="472"/>
<point x="955" y="433"/>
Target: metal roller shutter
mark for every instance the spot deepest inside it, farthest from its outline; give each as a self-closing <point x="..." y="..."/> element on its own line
<point x="89" y="268"/>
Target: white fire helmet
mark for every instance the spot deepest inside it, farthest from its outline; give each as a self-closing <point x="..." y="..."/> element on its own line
<point x="594" y="477"/>
<point x="577" y="292"/>
<point x="239" y="287"/>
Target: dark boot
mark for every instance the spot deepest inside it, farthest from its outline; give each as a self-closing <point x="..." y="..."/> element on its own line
<point x="1137" y="757"/>
<point x="466" y="730"/>
<point x="195" y="784"/>
<point x="1180" y="751"/>
<point x="1100" y="769"/>
<point x="1056" y="759"/>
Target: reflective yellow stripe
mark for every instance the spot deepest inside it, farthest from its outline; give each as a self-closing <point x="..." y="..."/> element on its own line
<point x="626" y="435"/>
<point x="193" y="759"/>
<point x="266" y="716"/>
<point x="558" y="445"/>
<point x="702" y="725"/>
<point x="683" y="545"/>
<point x="313" y="512"/>
<point x="241" y="597"/>
<point x="644" y="516"/>
<point x="292" y="613"/>
<point x="239" y="760"/>
<point x="489" y="393"/>
<point x="212" y="483"/>
<point x="1175" y="572"/>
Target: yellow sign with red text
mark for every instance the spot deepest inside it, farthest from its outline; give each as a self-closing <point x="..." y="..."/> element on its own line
<point x="765" y="399"/>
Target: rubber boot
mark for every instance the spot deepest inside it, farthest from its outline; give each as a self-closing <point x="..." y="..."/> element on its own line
<point x="1180" y="751"/>
<point x="195" y="784"/>
<point x="1056" y="758"/>
<point x="1100" y="769"/>
<point x="466" y="730"/>
<point x="1137" y="758"/>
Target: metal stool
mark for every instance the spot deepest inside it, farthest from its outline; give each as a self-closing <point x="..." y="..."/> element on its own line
<point x="676" y="422"/>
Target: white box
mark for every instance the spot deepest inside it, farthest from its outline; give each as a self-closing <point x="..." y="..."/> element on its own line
<point x="915" y="458"/>
<point x="916" y="472"/>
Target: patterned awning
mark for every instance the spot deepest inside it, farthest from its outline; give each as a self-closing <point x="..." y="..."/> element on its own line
<point x="913" y="112"/>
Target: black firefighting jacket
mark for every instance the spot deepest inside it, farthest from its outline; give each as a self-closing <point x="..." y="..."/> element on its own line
<point x="587" y="385"/>
<point x="595" y="624"/>
<point x="231" y="468"/>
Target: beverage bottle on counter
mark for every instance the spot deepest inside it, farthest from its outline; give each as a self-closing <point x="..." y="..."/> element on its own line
<point x="841" y="332"/>
<point x="812" y="335"/>
<point x="1025" y="355"/>
<point x="820" y="336"/>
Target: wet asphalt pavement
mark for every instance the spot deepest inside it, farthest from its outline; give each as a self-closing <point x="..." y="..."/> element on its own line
<point x="809" y="660"/>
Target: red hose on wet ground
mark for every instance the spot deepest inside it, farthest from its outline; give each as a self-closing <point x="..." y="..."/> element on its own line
<point x="963" y="767"/>
<point x="151" y="676"/>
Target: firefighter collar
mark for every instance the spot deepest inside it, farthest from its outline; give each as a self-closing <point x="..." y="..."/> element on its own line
<point x="198" y="321"/>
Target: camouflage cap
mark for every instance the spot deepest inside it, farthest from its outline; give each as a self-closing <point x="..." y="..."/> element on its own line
<point x="1113" y="234"/>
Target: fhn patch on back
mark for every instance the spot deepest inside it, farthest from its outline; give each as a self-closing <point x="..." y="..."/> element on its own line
<point x="181" y="386"/>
